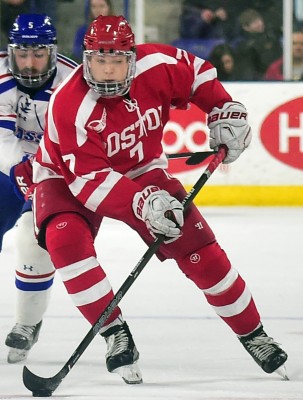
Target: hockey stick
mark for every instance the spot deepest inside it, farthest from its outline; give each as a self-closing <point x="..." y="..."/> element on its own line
<point x="44" y="387"/>
<point x="193" y="158"/>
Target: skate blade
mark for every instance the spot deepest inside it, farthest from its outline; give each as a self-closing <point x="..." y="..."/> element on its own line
<point x="131" y="374"/>
<point x="282" y="372"/>
<point x="16" y="355"/>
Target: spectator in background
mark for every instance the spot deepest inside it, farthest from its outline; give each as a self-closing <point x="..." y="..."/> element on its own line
<point x="10" y="9"/>
<point x="48" y="7"/>
<point x="257" y="47"/>
<point x="206" y="19"/>
<point x="93" y="10"/>
<point x="223" y="57"/>
<point x="275" y="70"/>
<point x="272" y="14"/>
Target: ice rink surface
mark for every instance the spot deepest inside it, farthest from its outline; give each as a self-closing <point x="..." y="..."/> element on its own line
<point x="186" y="351"/>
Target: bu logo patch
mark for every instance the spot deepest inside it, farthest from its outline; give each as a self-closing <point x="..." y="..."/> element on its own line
<point x="99" y="125"/>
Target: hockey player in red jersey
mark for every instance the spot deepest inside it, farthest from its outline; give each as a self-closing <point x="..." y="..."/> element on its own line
<point x="101" y="155"/>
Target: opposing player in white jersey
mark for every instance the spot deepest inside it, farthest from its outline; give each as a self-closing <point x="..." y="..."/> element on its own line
<point x="29" y="72"/>
<point x="103" y="157"/>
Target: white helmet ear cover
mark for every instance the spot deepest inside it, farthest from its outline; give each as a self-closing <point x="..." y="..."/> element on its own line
<point x="229" y="126"/>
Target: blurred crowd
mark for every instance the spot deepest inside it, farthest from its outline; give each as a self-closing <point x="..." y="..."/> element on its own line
<point x="10" y="9"/>
<point x="244" y="38"/>
<point x="251" y="32"/>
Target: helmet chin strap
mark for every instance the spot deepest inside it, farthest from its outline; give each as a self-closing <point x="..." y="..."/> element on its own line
<point x="34" y="82"/>
<point x="109" y="90"/>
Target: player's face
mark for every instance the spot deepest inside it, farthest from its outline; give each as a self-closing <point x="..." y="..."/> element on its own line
<point x="30" y="61"/>
<point x="109" y="68"/>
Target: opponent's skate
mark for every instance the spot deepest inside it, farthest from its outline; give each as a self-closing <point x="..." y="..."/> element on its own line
<point x="122" y="354"/>
<point x="20" y="340"/>
<point x="265" y="351"/>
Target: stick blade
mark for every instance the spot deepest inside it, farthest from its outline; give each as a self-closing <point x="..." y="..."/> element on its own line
<point x="41" y="387"/>
<point x="199" y="157"/>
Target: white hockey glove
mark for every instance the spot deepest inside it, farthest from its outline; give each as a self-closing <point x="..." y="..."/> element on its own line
<point x="162" y="213"/>
<point x="228" y="125"/>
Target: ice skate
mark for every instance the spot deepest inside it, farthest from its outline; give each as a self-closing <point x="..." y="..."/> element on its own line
<point x="122" y="354"/>
<point x="266" y="352"/>
<point x="20" y="340"/>
<point x="282" y="372"/>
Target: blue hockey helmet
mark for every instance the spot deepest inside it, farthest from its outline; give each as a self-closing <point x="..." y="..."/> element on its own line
<point x="32" y="32"/>
<point x="32" y="29"/>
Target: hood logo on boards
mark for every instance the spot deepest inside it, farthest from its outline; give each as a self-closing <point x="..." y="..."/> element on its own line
<point x="185" y="132"/>
<point x="61" y="225"/>
<point x="282" y="133"/>
<point x="98" y="125"/>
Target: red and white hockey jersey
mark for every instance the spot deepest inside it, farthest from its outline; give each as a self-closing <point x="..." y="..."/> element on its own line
<point x="22" y="112"/>
<point x="99" y="145"/>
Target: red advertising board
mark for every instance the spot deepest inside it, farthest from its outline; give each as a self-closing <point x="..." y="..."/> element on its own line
<point x="185" y="132"/>
<point x="282" y="133"/>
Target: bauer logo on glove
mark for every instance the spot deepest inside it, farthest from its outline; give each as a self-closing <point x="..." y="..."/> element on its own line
<point x="144" y="195"/>
<point x="162" y="213"/>
<point x="229" y="126"/>
<point x="223" y="115"/>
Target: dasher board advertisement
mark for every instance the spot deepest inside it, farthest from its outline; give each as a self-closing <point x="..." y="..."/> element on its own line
<point x="270" y="171"/>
